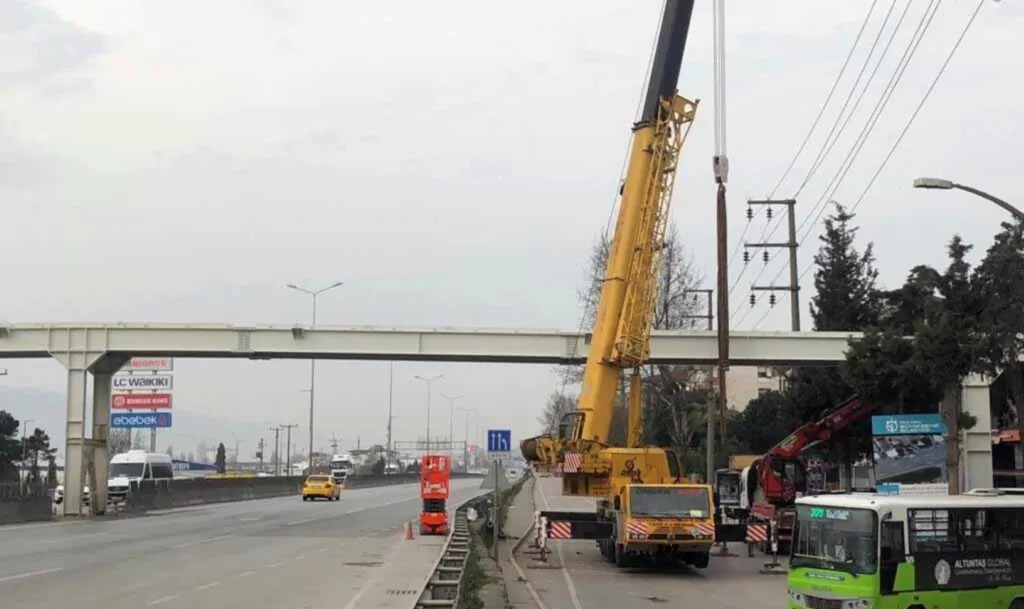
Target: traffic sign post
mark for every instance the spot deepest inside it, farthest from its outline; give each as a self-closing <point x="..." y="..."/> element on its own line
<point x="499" y="443"/>
<point x="499" y="440"/>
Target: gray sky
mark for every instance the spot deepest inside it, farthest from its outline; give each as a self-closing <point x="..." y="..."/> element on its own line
<point x="451" y="162"/>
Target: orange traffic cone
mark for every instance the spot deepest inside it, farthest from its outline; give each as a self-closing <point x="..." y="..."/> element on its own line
<point x="408" y="530"/>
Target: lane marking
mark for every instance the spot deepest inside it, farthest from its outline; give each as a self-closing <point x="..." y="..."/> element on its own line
<point x="299" y="557"/>
<point x="561" y="559"/>
<point x="246" y="574"/>
<point x="72" y="538"/>
<point x="274" y="565"/>
<point x="207" y="586"/>
<point x="196" y="542"/>
<point x="298" y="522"/>
<point x="11" y="578"/>
<point x="162" y="600"/>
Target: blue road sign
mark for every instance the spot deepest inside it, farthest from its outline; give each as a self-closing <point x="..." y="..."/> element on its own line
<point x="140" y="420"/>
<point x="499" y="440"/>
<point x="908" y="425"/>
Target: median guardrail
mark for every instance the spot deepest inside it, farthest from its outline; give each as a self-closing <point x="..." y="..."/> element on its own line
<point x="444" y="585"/>
<point x="182" y="492"/>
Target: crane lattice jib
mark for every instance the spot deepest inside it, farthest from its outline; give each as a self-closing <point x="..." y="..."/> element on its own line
<point x="632" y="342"/>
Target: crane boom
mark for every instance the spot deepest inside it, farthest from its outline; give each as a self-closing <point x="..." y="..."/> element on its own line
<point x="622" y="326"/>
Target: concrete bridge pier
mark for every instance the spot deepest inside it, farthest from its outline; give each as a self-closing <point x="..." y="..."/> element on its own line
<point x="82" y="353"/>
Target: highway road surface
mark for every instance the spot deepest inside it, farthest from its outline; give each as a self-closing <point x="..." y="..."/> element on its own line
<point x="587" y="581"/>
<point x="282" y="553"/>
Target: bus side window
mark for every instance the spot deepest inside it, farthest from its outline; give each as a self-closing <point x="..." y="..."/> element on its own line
<point x="893" y="553"/>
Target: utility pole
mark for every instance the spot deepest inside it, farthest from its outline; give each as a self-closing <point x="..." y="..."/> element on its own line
<point x="391" y="390"/>
<point x="794" y="280"/>
<point x="236" y="454"/>
<point x="720" y="168"/>
<point x="259" y="454"/>
<point x="710" y="315"/>
<point x="288" y="449"/>
<point x="277" y="449"/>
<point x="334" y="444"/>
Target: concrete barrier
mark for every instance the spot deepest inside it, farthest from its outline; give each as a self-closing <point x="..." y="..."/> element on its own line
<point x="30" y="504"/>
<point x="164" y="494"/>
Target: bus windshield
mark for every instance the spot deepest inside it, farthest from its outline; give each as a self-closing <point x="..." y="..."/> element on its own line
<point x="838" y="539"/>
<point x="669" y="502"/>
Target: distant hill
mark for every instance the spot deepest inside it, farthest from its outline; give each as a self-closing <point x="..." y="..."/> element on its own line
<point x="47" y="409"/>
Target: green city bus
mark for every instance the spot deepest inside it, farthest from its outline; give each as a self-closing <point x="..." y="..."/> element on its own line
<point x="871" y="551"/>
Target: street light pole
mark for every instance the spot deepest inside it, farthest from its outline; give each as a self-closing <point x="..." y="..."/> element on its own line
<point x="465" y="436"/>
<point x="429" y="382"/>
<point x="23" y="478"/>
<point x="451" y="423"/>
<point x="312" y="363"/>
<point x="941" y="184"/>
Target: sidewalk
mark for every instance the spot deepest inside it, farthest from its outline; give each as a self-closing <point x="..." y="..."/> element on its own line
<point x="517" y="526"/>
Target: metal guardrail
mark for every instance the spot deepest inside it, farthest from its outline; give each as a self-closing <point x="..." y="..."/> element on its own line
<point x="445" y="583"/>
<point x="444" y="586"/>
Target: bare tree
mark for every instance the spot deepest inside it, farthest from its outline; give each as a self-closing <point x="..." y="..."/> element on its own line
<point x="670" y="402"/>
<point x="119" y="441"/>
<point x="557" y="406"/>
<point x="137" y="442"/>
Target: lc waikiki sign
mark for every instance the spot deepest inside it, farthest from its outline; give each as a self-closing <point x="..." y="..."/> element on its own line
<point x="142" y="382"/>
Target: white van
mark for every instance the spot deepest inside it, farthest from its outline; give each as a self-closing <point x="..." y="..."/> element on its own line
<point x="124" y="468"/>
<point x="135" y="466"/>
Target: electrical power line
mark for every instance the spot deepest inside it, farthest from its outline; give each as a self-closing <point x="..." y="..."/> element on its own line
<point x="910" y="121"/>
<point x="807" y="138"/>
<point x="851" y="156"/>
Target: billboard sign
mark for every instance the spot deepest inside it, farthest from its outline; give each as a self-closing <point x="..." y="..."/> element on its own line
<point x="147" y="420"/>
<point x="909" y="451"/>
<point x="140" y="401"/>
<point x="908" y="425"/>
<point x="141" y="382"/>
<point x="149" y="364"/>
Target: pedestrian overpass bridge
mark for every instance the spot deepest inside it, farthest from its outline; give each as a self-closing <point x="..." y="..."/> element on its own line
<point x="102" y="346"/>
<point x="99" y="350"/>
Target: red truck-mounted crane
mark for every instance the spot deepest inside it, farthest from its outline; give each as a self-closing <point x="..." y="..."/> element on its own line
<point x="435" y="483"/>
<point x="771" y="484"/>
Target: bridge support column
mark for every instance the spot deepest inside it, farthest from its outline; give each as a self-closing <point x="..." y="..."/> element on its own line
<point x="976" y="446"/>
<point x="100" y="435"/>
<point x="81" y="351"/>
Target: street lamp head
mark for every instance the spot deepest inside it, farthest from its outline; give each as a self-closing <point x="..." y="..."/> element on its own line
<point x="933" y="183"/>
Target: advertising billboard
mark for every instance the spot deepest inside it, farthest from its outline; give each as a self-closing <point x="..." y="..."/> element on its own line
<point x="149" y="364"/>
<point x="909" y="452"/>
<point x="139" y="382"/>
<point x="152" y="420"/>
<point x="140" y="401"/>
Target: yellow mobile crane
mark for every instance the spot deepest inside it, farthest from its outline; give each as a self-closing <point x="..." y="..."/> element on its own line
<point x="643" y="507"/>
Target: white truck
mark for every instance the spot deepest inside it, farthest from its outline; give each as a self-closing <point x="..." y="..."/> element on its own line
<point x="341" y="467"/>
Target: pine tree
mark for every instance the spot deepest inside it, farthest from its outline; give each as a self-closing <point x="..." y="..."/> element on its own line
<point x="846" y="296"/>
<point x="222" y="459"/>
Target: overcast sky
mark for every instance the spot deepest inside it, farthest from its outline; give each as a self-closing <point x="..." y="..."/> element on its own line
<point x="451" y="162"/>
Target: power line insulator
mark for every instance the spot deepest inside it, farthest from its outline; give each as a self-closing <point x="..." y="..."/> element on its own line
<point x="746" y="256"/>
<point x="750" y="213"/>
<point x="769" y="212"/>
<point x="771" y="300"/>
<point x="753" y="300"/>
<point x="765" y="256"/>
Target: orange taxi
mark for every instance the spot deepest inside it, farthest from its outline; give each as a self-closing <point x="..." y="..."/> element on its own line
<point x="321" y="486"/>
